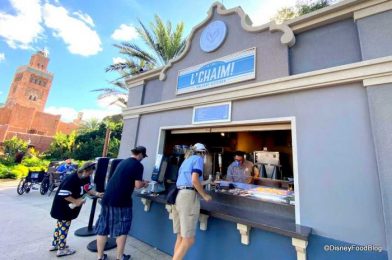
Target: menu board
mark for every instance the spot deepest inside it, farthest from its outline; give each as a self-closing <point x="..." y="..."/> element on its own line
<point x="212" y="113"/>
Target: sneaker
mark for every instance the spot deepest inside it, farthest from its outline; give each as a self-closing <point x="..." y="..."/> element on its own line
<point x="105" y="257"/>
<point x="126" y="257"/>
<point x="55" y="248"/>
<point x="65" y="252"/>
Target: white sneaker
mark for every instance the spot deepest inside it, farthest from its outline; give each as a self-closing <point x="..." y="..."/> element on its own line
<point x="65" y="252"/>
<point x="55" y="248"/>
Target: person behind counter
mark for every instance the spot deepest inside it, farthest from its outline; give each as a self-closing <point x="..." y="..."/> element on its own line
<point x="240" y="170"/>
<point x="186" y="210"/>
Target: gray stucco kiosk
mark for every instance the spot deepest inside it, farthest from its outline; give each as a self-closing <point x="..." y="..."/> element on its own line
<point x="317" y="88"/>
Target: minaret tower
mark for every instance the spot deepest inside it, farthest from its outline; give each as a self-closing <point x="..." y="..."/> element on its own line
<point x="31" y="84"/>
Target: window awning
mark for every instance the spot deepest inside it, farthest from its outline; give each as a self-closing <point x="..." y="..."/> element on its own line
<point x="233" y="128"/>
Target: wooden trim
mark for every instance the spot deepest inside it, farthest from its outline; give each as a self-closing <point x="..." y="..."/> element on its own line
<point x="228" y="128"/>
<point x="330" y="14"/>
<point x="136" y="84"/>
<point x="148" y="75"/>
<point x="265" y="121"/>
<point x="377" y="81"/>
<point x="376" y="9"/>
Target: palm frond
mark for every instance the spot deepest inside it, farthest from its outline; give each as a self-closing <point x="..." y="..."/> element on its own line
<point x="164" y="42"/>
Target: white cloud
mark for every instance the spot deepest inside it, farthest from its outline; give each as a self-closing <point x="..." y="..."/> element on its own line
<point x="110" y="102"/>
<point x="68" y="114"/>
<point x="265" y="10"/>
<point x="23" y="28"/>
<point x="78" y="36"/>
<point x="125" y="33"/>
<point x="2" y="57"/>
<point x="84" y="17"/>
<point x="119" y="60"/>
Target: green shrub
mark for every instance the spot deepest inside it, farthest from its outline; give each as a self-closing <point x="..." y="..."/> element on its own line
<point x="7" y="160"/>
<point x="35" y="163"/>
<point x="13" y="145"/>
<point x="20" y="171"/>
<point x="13" y="171"/>
<point x="5" y="172"/>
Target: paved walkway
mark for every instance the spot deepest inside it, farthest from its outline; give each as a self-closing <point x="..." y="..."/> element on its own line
<point x="26" y="229"/>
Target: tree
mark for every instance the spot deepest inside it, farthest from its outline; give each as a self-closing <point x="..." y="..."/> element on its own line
<point x="14" y="145"/>
<point x="311" y="6"/>
<point x="62" y="146"/>
<point x="163" y="44"/>
<point x="89" y="125"/>
<point x="89" y="144"/>
<point x="284" y="14"/>
<point x="14" y="150"/>
<point x="301" y="8"/>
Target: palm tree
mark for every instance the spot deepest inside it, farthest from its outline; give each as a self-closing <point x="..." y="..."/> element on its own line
<point x="163" y="44"/>
<point x="89" y="125"/>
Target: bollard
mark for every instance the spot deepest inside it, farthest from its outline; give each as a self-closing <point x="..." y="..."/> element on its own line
<point x="99" y="180"/>
<point x="111" y="242"/>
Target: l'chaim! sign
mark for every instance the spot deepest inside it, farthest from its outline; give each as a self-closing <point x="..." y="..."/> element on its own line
<point x="229" y="69"/>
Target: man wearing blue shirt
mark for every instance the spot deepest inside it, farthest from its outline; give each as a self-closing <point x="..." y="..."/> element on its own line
<point x="240" y="170"/>
<point x="66" y="167"/>
<point x="186" y="210"/>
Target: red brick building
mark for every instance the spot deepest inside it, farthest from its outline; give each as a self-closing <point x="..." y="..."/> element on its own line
<point x="23" y="114"/>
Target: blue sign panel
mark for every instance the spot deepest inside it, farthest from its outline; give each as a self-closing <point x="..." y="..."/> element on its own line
<point x="212" y="113"/>
<point x="230" y="69"/>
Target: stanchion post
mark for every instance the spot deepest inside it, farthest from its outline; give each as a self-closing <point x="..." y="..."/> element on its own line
<point x="111" y="242"/>
<point x="99" y="180"/>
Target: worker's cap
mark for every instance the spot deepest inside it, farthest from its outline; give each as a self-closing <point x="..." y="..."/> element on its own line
<point x="199" y="147"/>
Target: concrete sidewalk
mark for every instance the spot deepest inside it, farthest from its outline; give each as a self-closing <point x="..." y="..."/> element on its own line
<point x="26" y="229"/>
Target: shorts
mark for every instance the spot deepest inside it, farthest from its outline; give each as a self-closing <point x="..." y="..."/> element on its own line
<point x="114" y="221"/>
<point x="186" y="213"/>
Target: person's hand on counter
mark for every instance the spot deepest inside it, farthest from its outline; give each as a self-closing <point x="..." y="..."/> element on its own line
<point x="196" y="183"/>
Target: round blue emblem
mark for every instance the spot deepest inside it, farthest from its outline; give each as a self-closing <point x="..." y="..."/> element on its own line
<point x="213" y="36"/>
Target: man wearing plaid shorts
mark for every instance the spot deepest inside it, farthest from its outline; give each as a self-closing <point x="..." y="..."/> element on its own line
<point x="116" y="213"/>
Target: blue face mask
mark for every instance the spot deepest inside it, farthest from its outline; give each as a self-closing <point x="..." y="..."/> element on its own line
<point x="237" y="164"/>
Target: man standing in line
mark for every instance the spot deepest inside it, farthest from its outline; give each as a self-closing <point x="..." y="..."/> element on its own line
<point x="116" y="212"/>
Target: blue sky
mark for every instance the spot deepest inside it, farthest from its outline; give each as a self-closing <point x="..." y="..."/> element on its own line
<point x="79" y="35"/>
